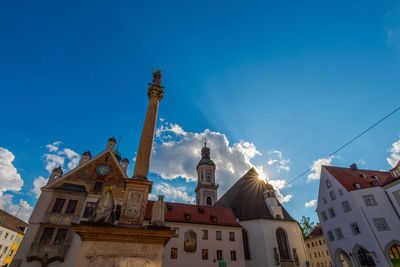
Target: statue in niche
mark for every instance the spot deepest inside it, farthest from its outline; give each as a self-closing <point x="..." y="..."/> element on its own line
<point x="103" y="213"/>
<point x="134" y="205"/>
<point x="276" y="256"/>
<point x="158" y="212"/>
<point x="157" y="77"/>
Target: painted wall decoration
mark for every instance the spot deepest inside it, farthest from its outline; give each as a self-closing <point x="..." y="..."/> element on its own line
<point x="190" y="241"/>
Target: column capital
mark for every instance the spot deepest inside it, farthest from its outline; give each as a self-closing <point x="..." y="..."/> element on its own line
<point x="155" y="91"/>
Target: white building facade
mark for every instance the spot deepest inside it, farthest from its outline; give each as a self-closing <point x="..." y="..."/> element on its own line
<point x="358" y="220"/>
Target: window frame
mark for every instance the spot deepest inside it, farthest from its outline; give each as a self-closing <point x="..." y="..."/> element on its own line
<point x="233" y="255"/>
<point x="369" y="200"/>
<point x="231" y="236"/>
<point x="58" y="205"/>
<point x="204" y="234"/>
<point x="353" y="227"/>
<point x="204" y="254"/>
<point x="173" y="254"/>
<point x="69" y="207"/>
<point x="332" y="213"/>
<point x="218" y="234"/>
<point x="346" y="206"/>
<point x="378" y="221"/>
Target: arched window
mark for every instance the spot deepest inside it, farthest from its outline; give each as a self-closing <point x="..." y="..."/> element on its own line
<point x="328" y="183"/>
<point x="208" y="201"/>
<point x="333" y="196"/>
<point x="364" y="257"/>
<point x="394" y="254"/>
<point x="282" y="244"/>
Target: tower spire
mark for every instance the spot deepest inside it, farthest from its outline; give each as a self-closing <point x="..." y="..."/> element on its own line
<point x="155" y="93"/>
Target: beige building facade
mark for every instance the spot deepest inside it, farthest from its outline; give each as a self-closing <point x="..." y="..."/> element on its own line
<point x="317" y="250"/>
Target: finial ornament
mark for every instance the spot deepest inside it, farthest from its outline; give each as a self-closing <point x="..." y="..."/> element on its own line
<point x="205" y="141"/>
<point x="156" y="77"/>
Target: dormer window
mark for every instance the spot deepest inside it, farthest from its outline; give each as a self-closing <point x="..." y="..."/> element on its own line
<point x="213" y="218"/>
<point x="357" y="185"/>
<point x="187" y="217"/>
<point x="363" y="176"/>
<point x="375" y="183"/>
<point x="375" y="176"/>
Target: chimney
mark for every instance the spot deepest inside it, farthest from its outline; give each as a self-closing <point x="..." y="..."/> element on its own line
<point x="86" y="156"/>
<point x="354" y="166"/>
<point x="111" y="143"/>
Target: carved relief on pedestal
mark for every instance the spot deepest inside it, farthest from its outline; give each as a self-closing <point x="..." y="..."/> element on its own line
<point x="107" y="259"/>
<point x="134" y="205"/>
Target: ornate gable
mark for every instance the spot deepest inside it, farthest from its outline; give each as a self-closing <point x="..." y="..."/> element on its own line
<point x="97" y="173"/>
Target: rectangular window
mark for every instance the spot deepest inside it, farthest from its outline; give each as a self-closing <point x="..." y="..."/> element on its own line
<point x="219" y="255"/>
<point x="231" y="236"/>
<point x="46" y="236"/>
<point x="117" y="212"/>
<point x="396" y="195"/>
<point x="369" y="200"/>
<point x="6" y="235"/>
<point x="61" y="236"/>
<point x="324" y="217"/>
<point x="381" y="224"/>
<point x="331" y="213"/>
<point x="219" y="235"/>
<point x="89" y="209"/>
<point x="176" y="232"/>
<point x="308" y="245"/>
<point x="98" y="186"/>
<point x="11" y="252"/>
<point x="5" y="249"/>
<point x="330" y="236"/>
<point x="71" y="206"/>
<point x="204" y="234"/>
<point x="204" y="254"/>
<point x="16" y="240"/>
<point x="339" y="234"/>
<point x="320" y="243"/>
<point x="346" y="206"/>
<point x="233" y="255"/>
<point x="58" y="205"/>
<point x="174" y="253"/>
<point x="11" y="237"/>
<point x="355" y="229"/>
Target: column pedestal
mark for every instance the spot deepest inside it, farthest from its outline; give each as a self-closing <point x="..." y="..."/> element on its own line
<point x="120" y="246"/>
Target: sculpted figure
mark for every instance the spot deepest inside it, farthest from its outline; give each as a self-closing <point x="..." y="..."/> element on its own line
<point x="158" y="212"/>
<point x="134" y="204"/>
<point x="104" y="208"/>
<point x="157" y="77"/>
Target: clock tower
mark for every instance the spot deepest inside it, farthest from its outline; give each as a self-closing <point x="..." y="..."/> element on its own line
<point x="206" y="190"/>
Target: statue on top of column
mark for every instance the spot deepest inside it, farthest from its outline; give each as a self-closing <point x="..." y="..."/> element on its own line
<point x="157" y="77"/>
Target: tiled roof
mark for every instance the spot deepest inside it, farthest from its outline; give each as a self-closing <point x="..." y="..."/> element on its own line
<point x="246" y="198"/>
<point x="177" y="212"/>
<point x="11" y="222"/>
<point x="317" y="231"/>
<point x="347" y="177"/>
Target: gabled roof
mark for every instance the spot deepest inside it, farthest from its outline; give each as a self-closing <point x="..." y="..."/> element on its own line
<point x="177" y="212"/>
<point x="347" y="177"/>
<point x="317" y="231"/>
<point x="77" y="172"/>
<point x="246" y="199"/>
<point x="11" y="222"/>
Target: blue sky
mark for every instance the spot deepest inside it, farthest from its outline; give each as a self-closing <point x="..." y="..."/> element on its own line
<point x="297" y="78"/>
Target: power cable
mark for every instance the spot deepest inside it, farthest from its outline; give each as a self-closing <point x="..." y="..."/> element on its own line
<point x="346" y="144"/>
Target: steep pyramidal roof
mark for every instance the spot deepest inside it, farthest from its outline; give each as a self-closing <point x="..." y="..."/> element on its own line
<point x="246" y="199"/>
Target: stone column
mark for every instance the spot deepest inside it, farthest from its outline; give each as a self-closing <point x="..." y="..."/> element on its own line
<point x="143" y="156"/>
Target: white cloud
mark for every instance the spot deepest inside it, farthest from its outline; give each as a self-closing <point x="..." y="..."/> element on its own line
<point x="176" y="154"/>
<point x="172" y="193"/>
<point x="10" y="179"/>
<point x="53" y="161"/>
<point x="38" y="183"/>
<point x="316" y="168"/>
<point x="278" y="185"/>
<point x="54" y="146"/>
<point x="394" y="154"/>
<point x="72" y="156"/>
<point x="57" y="157"/>
<point x="310" y="203"/>
<point x="276" y="160"/>
<point x="21" y="210"/>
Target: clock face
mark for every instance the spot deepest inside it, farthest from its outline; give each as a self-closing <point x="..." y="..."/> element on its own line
<point x="103" y="169"/>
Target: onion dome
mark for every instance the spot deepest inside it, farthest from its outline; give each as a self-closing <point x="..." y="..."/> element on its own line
<point x="125" y="160"/>
<point x="205" y="157"/>
<point x="117" y="154"/>
<point x="112" y="139"/>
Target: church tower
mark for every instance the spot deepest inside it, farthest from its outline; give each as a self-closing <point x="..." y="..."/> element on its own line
<point x="206" y="190"/>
